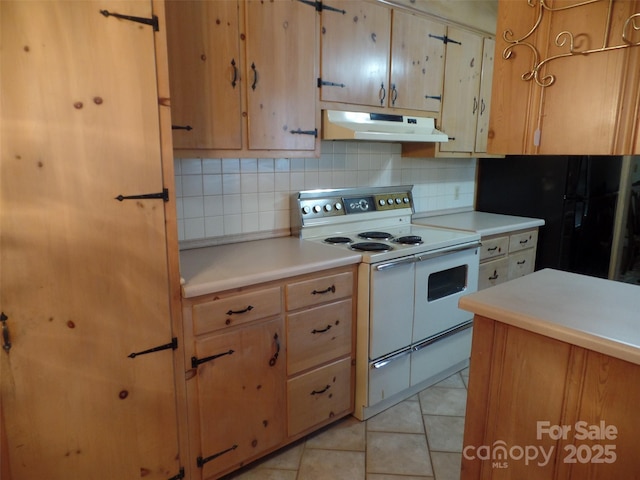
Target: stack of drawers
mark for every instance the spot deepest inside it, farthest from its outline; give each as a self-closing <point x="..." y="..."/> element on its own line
<point x="507" y="256"/>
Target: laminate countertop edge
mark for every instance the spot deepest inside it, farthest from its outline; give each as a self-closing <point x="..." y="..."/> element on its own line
<point x="589" y="312"/>
<point x="224" y="267"/>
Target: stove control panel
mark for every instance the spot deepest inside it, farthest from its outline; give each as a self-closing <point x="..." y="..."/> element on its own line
<point x="331" y="206"/>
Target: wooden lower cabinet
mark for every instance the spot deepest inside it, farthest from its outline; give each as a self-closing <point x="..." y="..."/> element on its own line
<point x="507" y="256"/>
<point x="269" y="364"/>
<point x="524" y="388"/>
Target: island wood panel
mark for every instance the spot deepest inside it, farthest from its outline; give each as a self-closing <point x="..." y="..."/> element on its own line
<point x="519" y="378"/>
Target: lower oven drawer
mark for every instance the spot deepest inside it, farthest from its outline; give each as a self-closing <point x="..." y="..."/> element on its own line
<point x="388" y="377"/>
<point x="431" y="359"/>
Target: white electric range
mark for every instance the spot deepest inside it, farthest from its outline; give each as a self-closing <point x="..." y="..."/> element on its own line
<point x="410" y="331"/>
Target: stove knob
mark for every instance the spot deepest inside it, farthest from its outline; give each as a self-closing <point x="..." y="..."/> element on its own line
<point x="390" y="201"/>
<point x="306" y="209"/>
<point x="382" y="202"/>
<point x="405" y="199"/>
<point x="398" y="201"/>
<point x="328" y="207"/>
<point x="317" y="208"/>
<point x="338" y="206"/>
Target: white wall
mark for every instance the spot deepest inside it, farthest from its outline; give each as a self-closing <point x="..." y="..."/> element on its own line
<point x="232" y="199"/>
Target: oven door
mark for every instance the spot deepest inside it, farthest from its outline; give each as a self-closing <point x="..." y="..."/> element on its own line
<point x="391" y="306"/>
<point x="442" y="277"/>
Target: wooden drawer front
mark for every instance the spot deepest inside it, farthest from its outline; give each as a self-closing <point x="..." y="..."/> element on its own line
<point x="521" y="241"/>
<point x="235" y="310"/>
<point x="319" y="395"/>
<point x="318" y="335"/>
<point x="493" y="273"/>
<point x="319" y="290"/>
<point x="522" y="263"/>
<point x="494" y="247"/>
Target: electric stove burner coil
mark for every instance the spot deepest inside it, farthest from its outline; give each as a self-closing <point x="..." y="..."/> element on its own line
<point x="409" y="240"/>
<point x="371" y="247"/>
<point x="375" y="235"/>
<point x="337" y="240"/>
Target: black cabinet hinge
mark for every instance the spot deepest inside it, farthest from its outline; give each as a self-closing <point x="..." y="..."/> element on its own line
<point x="313" y="132"/>
<point x="195" y="361"/>
<point x="325" y="83"/>
<point x="200" y="461"/>
<point x="153" y="21"/>
<point x="445" y="39"/>
<point x="319" y="6"/>
<point x="172" y="345"/>
<point x="164" y="195"/>
<point x="6" y="339"/>
<point x="188" y="128"/>
<point x="179" y="476"/>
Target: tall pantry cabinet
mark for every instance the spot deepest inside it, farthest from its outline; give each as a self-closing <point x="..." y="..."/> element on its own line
<point x="87" y="244"/>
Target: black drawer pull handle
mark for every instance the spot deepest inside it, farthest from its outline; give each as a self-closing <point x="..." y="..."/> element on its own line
<point x="318" y="392"/>
<point x="234" y="80"/>
<point x="494" y="276"/>
<point x="522" y="262"/>
<point x="492" y="249"/>
<point x="236" y="312"/>
<point x="274" y="359"/>
<point x="321" y="331"/>
<point x="331" y="289"/>
<point x="523" y="242"/>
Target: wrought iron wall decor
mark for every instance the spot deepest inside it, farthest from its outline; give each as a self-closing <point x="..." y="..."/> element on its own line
<point x="629" y="38"/>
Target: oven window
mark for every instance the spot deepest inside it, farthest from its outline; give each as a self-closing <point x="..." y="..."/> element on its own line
<point x="447" y="282"/>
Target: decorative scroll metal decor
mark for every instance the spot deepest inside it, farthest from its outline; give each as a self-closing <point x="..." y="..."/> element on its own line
<point x="629" y="38"/>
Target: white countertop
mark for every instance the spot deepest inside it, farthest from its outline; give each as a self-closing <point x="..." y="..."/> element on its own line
<point x="214" y="269"/>
<point x="482" y="222"/>
<point x="593" y="313"/>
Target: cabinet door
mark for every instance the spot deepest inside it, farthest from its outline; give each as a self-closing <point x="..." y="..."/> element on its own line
<point x="206" y="74"/>
<point x="84" y="277"/>
<point x="280" y="75"/>
<point x="463" y="67"/>
<point x="241" y="394"/>
<point x="417" y="62"/>
<point x="355" y="53"/>
<point x="484" y="109"/>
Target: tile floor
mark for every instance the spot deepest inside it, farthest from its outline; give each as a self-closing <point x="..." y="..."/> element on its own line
<point x="418" y="439"/>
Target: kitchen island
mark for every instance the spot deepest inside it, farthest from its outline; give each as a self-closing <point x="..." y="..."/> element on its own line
<point x="554" y="379"/>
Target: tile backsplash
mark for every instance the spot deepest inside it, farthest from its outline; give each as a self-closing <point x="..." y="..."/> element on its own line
<point x="230" y="199"/>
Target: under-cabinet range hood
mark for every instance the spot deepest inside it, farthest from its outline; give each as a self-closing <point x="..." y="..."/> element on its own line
<point x="381" y="127"/>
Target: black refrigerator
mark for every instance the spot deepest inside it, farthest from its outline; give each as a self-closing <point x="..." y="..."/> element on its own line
<point x="575" y="195"/>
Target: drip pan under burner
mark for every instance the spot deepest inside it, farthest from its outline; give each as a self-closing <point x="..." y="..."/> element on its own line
<point x="409" y="240"/>
<point x="337" y="240"/>
<point x="371" y="247"/>
<point x="376" y="235"/>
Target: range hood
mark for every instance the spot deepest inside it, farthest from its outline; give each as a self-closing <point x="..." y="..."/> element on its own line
<point x="382" y="127"/>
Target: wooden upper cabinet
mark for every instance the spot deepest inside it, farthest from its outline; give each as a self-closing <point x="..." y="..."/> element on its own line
<point x="355" y="53"/>
<point x="590" y="102"/>
<point x="243" y="76"/>
<point x="204" y="70"/>
<point x="461" y="103"/>
<point x="280" y="75"/>
<point x="417" y="62"/>
<point x="484" y="107"/>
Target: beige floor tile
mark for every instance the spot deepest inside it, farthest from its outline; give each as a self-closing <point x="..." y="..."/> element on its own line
<point x="287" y="458"/>
<point x="445" y="434"/>
<point x="267" y="474"/>
<point x="346" y="434"/>
<point x="446" y="465"/>
<point x="443" y="401"/>
<point x="454" y="381"/>
<point x="398" y="453"/>
<point x="320" y="464"/>
<point x="404" y="417"/>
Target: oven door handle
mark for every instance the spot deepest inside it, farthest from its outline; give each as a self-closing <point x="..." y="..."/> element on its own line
<point x="442" y="335"/>
<point x="447" y="250"/>
<point x="382" y="361"/>
<point x="395" y="263"/>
